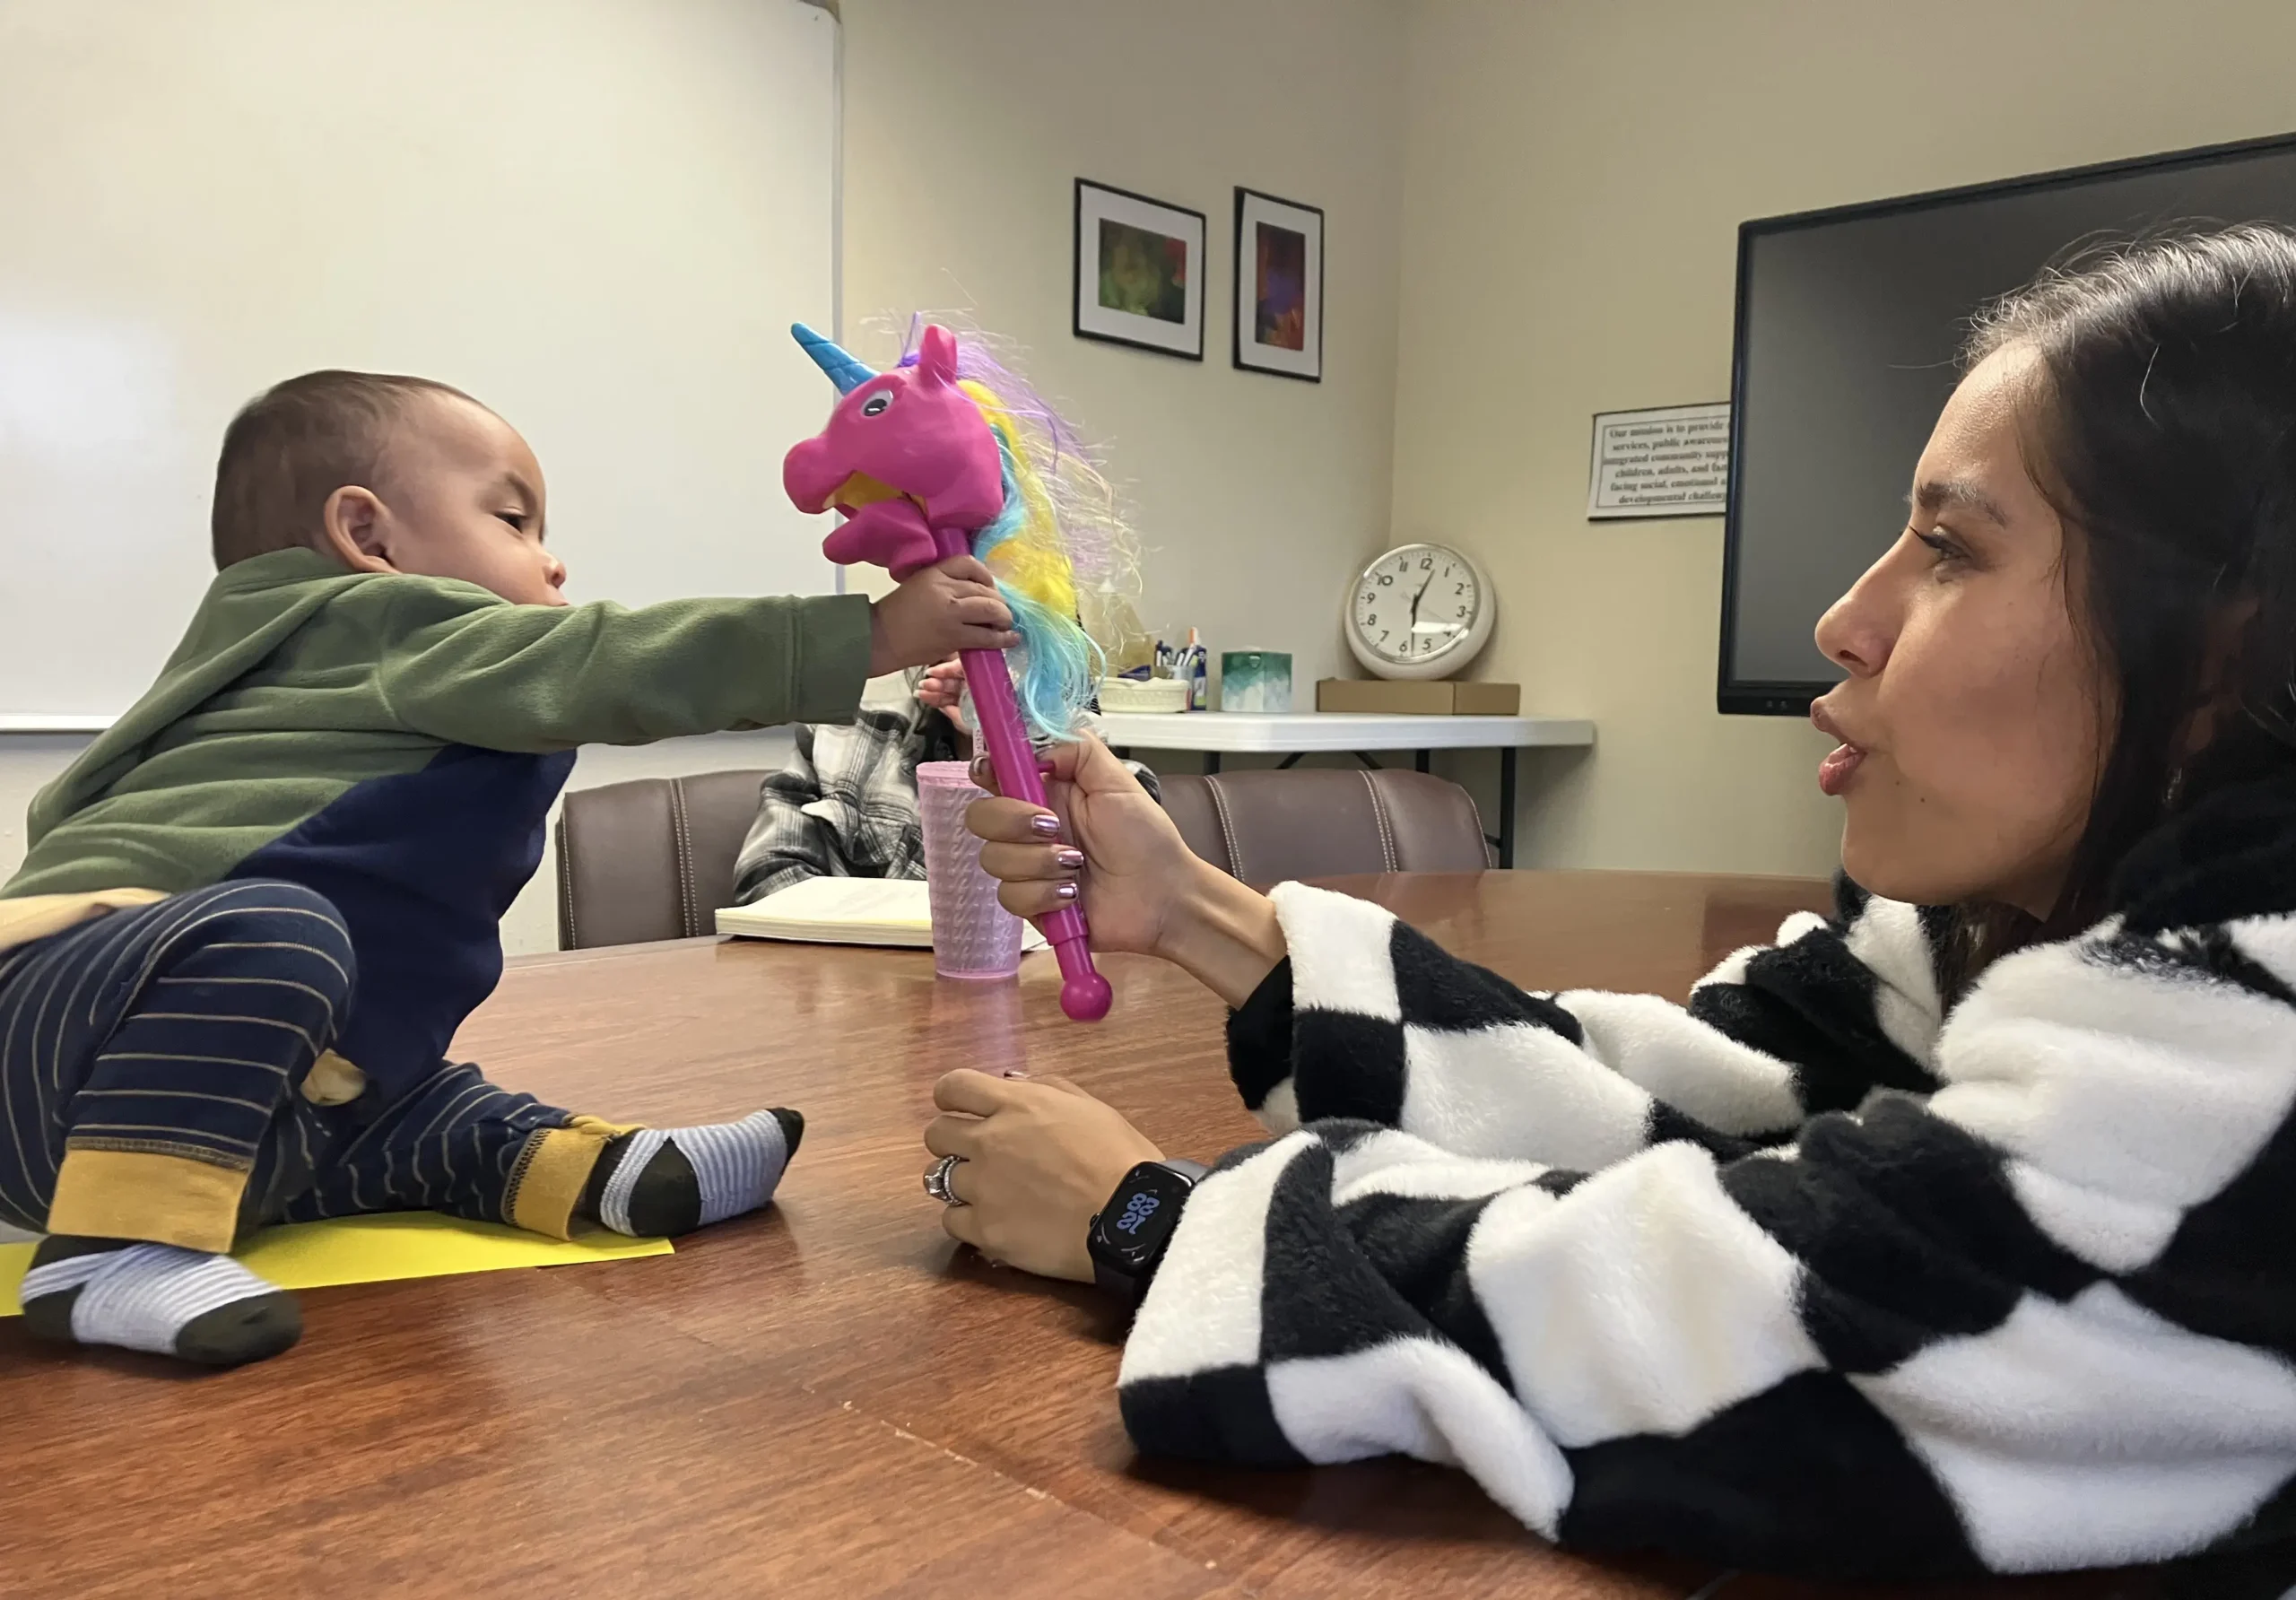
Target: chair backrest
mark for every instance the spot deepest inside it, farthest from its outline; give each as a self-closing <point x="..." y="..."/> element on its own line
<point x="652" y="858"/>
<point x="1265" y="827"/>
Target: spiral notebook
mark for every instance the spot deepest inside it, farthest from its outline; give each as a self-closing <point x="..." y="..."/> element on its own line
<point x="888" y="911"/>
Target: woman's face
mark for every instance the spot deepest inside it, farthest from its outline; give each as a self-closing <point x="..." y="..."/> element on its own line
<point x="1974" y="719"/>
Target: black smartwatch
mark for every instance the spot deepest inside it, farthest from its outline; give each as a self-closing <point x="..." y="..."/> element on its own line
<point x="1127" y="1238"/>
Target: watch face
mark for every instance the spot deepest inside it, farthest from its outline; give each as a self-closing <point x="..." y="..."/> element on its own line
<point x="1414" y="603"/>
<point x="1139" y="1218"/>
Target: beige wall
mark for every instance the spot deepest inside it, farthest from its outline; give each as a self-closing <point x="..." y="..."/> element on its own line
<point x="1566" y="179"/>
<point x="1574" y="174"/>
<point x="966" y="123"/>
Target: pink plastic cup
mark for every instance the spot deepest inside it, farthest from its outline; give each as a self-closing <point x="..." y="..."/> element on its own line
<point x="973" y="936"/>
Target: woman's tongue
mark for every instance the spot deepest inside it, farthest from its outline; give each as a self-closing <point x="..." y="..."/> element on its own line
<point x="1834" y="772"/>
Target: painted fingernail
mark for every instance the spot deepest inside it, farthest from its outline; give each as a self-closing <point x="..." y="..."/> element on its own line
<point x="1064" y="891"/>
<point x="981" y="770"/>
<point x="1049" y="826"/>
<point x="1069" y="857"/>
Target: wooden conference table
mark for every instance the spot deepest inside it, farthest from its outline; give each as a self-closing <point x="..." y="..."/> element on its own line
<point x="828" y="1400"/>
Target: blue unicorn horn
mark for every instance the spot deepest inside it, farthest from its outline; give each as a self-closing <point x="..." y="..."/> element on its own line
<point x="847" y="373"/>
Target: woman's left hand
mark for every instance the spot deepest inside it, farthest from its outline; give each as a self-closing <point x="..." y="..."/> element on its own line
<point x="1039" y="1159"/>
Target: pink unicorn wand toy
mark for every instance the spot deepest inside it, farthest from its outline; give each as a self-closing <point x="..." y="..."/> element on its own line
<point x="949" y="454"/>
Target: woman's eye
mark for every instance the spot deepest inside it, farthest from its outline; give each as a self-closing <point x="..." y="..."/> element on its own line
<point x="1945" y="549"/>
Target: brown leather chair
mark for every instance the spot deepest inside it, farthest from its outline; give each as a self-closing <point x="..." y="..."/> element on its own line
<point x="652" y="858"/>
<point x="1265" y="827"/>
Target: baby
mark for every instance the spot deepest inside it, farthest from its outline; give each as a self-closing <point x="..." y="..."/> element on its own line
<point x="254" y="911"/>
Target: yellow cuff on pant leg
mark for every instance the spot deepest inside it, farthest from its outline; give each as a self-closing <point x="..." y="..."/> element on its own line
<point x="140" y="1194"/>
<point x="552" y="1173"/>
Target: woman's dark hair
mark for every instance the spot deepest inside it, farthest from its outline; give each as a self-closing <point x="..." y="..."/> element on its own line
<point x="2162" y="428"/>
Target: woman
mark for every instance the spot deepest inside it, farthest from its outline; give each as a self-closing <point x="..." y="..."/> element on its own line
<point x="1925" y="1242"/>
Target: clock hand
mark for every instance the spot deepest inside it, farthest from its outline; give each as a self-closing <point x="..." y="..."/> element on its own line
<point x="1416" y="596"/>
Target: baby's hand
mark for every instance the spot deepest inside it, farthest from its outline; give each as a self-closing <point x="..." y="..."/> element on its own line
<point x="951" y="606"/>
<point x="943" y="686"/>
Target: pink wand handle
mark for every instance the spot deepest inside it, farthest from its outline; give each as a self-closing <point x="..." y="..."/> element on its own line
<point x="1084" y="993"/>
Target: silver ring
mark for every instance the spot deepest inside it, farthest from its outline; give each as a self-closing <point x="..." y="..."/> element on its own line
<point x="936" y="1181"/>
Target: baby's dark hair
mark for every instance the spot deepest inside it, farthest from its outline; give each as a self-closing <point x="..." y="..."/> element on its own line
<point x="297" y="443"/>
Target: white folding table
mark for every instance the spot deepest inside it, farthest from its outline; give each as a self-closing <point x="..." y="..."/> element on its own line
<point x="1296" y="734"/>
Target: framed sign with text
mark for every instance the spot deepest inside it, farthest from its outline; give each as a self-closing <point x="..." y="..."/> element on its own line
<point x="1669" y="461"/>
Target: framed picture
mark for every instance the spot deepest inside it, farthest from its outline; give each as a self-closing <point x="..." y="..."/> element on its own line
<point x="1279" y="286"/>
<point x="1139" y="271"/>
<point x="1662" y="461"/>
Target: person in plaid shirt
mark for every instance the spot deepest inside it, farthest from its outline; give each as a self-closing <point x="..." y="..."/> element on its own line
<point x="845" y="806"/>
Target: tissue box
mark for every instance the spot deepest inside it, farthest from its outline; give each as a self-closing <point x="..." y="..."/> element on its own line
<point x="1256" y="681"/>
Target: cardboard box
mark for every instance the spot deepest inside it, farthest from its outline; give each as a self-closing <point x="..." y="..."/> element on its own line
<point x="1419" y="697"/>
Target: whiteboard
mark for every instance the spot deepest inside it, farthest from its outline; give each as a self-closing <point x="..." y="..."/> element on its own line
<point x="597" y="216"/>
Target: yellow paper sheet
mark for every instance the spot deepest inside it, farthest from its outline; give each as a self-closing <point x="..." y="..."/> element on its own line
<point x="411" y="1244"/>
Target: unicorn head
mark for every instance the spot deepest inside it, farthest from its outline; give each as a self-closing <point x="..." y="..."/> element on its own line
<point x="950" y="453"/>
<point x="906" y="455"/>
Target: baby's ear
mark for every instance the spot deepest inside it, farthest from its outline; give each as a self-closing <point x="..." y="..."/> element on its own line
<point x="936" y="355"/>
<point x="351" y="530"/>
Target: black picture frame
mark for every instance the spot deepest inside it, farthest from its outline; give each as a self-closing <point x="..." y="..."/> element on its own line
<point x="1746" y="697"/>
<point x="1245" y="352"/>
<point x="1089" y="319"/>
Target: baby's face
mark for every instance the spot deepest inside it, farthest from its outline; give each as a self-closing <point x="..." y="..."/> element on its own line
<point x="462" y="498"/>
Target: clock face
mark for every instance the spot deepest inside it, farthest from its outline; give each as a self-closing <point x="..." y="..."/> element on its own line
<point x="1416" y="604"/>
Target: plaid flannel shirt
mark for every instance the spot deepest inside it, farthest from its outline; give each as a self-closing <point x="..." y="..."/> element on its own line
<point x="846" y="805"/>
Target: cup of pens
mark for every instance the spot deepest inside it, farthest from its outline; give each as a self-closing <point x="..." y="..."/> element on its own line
<point x="1188" y="664"/>
<point x="1167" y="679"/>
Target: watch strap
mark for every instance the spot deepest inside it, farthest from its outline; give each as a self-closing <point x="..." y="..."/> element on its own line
<point x="1123" y="1286"/>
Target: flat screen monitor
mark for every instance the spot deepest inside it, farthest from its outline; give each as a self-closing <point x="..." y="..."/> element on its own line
<point x="1848" y="322"/>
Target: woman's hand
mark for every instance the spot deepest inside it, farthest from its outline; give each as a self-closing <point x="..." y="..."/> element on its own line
<point x="1039" y="1159"/>
<point x="1107" y="846"/>
<point x="942" y="687"/>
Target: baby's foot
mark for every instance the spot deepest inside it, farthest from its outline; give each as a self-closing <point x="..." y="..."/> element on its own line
<point x="157" y="1298"/>
<point x="655" y="1183"/>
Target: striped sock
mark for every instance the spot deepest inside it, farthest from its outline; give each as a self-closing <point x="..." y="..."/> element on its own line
<point x="155" y="1298"/>
<point x="657" y="1182"/>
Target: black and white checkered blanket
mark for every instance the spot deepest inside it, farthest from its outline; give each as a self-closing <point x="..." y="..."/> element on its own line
<point x="1819" y="1274"/>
